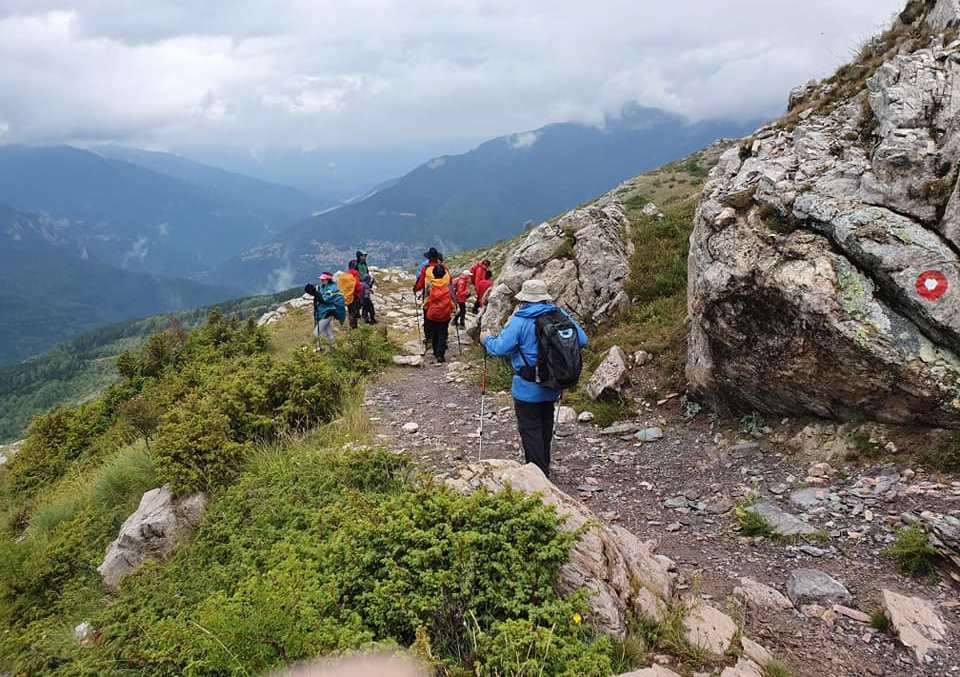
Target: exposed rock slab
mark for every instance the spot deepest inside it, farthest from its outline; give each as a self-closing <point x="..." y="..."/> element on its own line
<point x="917" y="623"/>
<point x="623" y="574"/>
<point x="652" y="671"/>
<point x="760" y="596"/>
<point x="709" y="629"/>
<point x="814" y="242"/>
<point x="151" y="532"/>
<point x="812" y="586"/>
<point x="783" y="523"/>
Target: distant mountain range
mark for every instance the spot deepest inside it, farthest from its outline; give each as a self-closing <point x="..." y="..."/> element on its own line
<point x="463" y="201"/>
<point x="50" y="292"/>
<point x="148" y="212"/>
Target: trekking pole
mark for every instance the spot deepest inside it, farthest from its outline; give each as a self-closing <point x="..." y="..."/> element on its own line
<point x="459" y="345"/>
<point x="556" y="422"/>
<point x="417" y="314"/>
<point x="483" y="392"/>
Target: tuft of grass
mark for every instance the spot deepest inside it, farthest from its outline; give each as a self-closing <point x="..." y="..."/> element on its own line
<point x="913" y="552"/>
<point x="630" y="653"/>
<point x="880" y="621"/>
<point x="943" y="455"/>
<point x="751" y="523"/>
<point x="670" y="636"/>
<point x="776" y="669"/>
<point x="752" y="424"/>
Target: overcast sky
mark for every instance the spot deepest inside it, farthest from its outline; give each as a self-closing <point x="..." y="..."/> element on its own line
<point x="316" y="74"/>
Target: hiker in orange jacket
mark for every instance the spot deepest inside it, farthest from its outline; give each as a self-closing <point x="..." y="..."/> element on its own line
<point x="461" y="289"/>
<point x="431" y="258"/>
<point x="349" y="283"/>
<point x="438" y="308"/>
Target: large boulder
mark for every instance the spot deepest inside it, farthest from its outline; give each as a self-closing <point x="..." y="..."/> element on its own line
<point x="624" y="575"/>
<point x="584" y="258"/>
<point x="152" y="532"/>
<point x="824" y="275"/>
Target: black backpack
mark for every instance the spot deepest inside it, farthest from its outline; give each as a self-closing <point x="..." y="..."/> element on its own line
<point x="559" y="359"/>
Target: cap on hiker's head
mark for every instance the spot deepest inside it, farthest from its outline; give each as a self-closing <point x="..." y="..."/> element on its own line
<point x="360" y="254"/>
<point x="465" y="273"/>
<point x="326" y="277"/>
<point x="534" y="291"/>
<point x="431" y="253"/>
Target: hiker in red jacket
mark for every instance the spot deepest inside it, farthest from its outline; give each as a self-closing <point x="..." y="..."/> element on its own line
<point x="483" y="290"/>
<point x="461" y="288"/>
<point x="479" y="272"/>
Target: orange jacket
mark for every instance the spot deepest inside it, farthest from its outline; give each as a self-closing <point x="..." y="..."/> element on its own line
<point x="348" y="286"/>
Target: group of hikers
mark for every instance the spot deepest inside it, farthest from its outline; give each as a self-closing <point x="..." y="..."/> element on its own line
<point x="542" y="341"/>
<point x="445" y="299"/>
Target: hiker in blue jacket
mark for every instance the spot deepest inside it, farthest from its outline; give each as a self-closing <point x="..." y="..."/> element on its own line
<point x="328" y="305"/>
<point x="534" y="404"/>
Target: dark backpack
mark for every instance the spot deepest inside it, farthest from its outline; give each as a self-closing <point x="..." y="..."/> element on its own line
<point x="559" y="358"/>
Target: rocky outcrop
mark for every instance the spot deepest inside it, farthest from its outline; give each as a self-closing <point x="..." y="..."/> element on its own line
<point x="584" y="258"/>
<point x="610" y="376"/>
<point x="8" y="451"/>
<point x="152" y="532"/>
<point x="824" y="271"/>
<point x="624" y="574"/>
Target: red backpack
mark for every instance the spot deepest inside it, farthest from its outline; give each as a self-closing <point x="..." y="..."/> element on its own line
<point x="439" y="304"/>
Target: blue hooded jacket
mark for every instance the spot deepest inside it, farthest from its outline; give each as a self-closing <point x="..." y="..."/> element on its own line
<point x="520" y="334"/>
<point x="328" y="301"/>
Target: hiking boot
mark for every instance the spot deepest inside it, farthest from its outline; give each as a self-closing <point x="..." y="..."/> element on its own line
<point x="441" y="360"/>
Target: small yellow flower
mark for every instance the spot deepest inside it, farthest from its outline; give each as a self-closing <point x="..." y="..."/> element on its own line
<point x="577" y="618"/>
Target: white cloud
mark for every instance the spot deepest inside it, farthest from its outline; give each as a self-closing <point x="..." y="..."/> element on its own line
<point x="524" y="140"/>
<point x="138" y="251"/>
<point x="332" y="73"/>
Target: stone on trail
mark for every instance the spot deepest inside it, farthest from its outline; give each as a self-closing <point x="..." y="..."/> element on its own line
<point x="410" y="427"/>
<point x="708" y="628"/>
<point x="649" y="434"/>
<point x="756" y="652"/>
<point x="782" y="522"/>
<point x="622" y="574"/>
<point x="610" y="375"/>
<point x="624" y="428"/>
<point x="415" y="347"/>
<point x="566" y="415"/>
<point x="807" y="499"/>
<point x="585" y="417"/>
<point x="916" y="622"/>
<point x="408" y="360"/>
<point x="812" y="586"/>
<point x="743" y="668"/>
<point x="652" y="671"/>
<point x="759" y="596"/>
<point x="159" y="523"/>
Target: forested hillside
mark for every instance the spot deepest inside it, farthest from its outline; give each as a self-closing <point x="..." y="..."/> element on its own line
<point x="82" y="367"/>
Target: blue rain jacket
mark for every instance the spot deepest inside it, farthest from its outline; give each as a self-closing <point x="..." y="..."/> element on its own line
<point x="520" y="334"/>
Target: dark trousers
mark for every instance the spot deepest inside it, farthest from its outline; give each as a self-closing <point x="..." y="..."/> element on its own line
<point x="437" y="331"/>
<point x="535" y="423"/>
<point x="368" y="312"/>
<point x="427" y="336"/>
<point x="353" y="312"/>
<point x="461" y="317"/>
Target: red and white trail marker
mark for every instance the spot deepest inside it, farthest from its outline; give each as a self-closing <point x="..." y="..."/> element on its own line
<point x="932" y="284"/>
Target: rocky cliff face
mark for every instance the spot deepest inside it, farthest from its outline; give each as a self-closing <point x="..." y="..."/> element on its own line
<point x="823" y="270"/>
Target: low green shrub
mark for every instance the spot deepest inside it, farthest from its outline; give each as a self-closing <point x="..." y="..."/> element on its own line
<point x="313" y="551"/>
<point x="913" y="552"/>
<point x="363" y="351"/>
<point x="194" y="450"/>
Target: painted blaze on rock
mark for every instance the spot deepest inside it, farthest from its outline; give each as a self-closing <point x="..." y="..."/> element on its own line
<point x="823" y="268"/>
